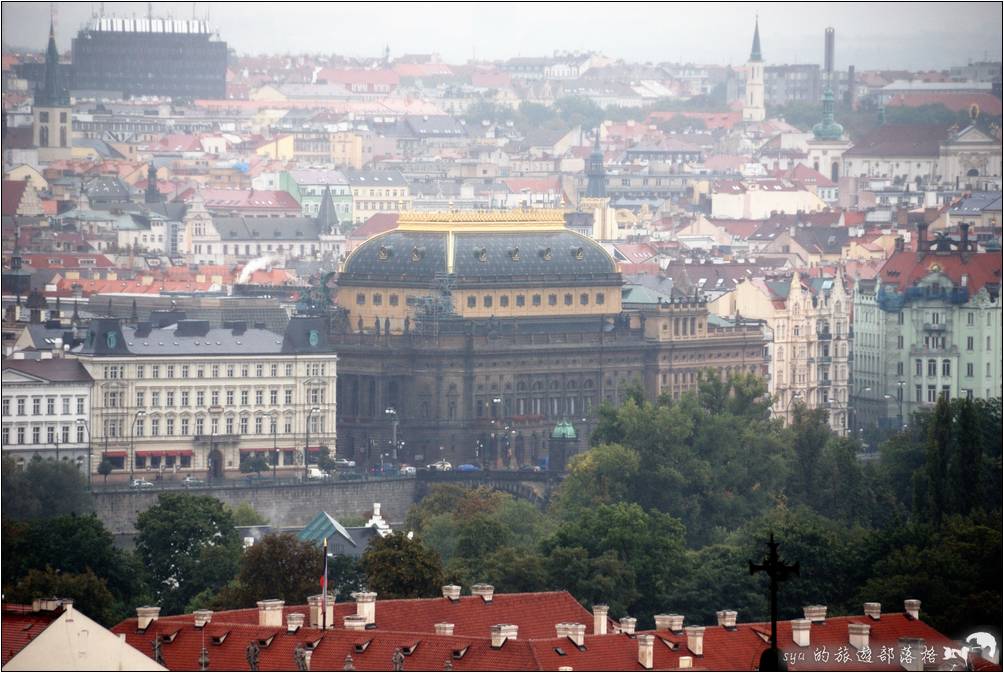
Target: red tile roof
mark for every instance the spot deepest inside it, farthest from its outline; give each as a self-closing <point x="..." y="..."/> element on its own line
<point x="956" y="102"/>
<point x="13" y="190"/>
<point x="376" y="224"/>
<point x="20" y="626"/>
<point x="903" y="269"/>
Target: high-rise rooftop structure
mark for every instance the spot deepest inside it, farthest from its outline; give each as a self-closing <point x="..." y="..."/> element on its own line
<point x="150" y="57"/>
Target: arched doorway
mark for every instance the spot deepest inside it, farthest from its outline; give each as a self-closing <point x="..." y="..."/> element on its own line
<point x="215" y="464"/>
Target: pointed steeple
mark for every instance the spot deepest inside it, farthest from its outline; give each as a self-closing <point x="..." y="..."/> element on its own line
<point x="327" y="217"/>
<point x="828" y="129"/>
<point x="755" y="55"/>
<point x="51" y="93"/>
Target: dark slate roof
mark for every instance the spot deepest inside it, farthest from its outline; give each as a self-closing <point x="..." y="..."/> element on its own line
<point x="376" y="178"/>
<point x="441" y="126"/>
<point x="59" y="370"/>
<point x="243" y="228"/>
<point x="978" y="203"/>
<point x="827" y="240"/>
<point x="107" y="188"/>
<point x="901" y="140"/>
<point x="106" y="336"/>
<point x="419" y="256"/>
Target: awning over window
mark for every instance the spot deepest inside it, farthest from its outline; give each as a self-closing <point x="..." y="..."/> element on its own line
<point x="115" y="454"/>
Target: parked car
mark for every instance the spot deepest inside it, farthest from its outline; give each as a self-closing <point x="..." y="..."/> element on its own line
<point x="440" y="466"/>
<point x="141" y="483"/>
<point x="192" y="481"/>
<point x="344" y="462"/>
<point x="317" y="474"/>
<point x="407" y="471"/>
<point x="529" y="468"/>
<point x="467" y="467"/>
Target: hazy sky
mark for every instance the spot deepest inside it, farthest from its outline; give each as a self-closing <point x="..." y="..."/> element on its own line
<point x="869" y="35"/>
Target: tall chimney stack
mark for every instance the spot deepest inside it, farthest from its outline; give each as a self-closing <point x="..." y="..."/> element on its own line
<point x="695" y="640"/>
<point x="964" y="232"/>
<point x="646" y="650"/>
<point x="922" y="244"/>
<point x="600" y="613"/>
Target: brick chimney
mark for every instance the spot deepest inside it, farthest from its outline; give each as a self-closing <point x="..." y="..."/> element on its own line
<point x="443" y="629"/>
<point x="366" y="605"/>
<point x="600" y="613"/>
<point x="857" y="634"/>
<point x="695" y="640"/>
<point x="727" y="619"/>
<point x="801" y="632"/>
<point x="501" y="633"/>
<point x="900" y="244"/>
<point x="146" y="615"/>
<point x="873" y="610"/>
<point x="451" y="591"/>
<point x="815" y="613"/>
<point x="964" y="236"/>
<point x="486" y="591"/>
<point x="628" y="624"/>
<point x="646" y="652"/>
<point x="915" y="646"/>
<point x="202" y="618"/>
<point x="270" y="612"/>
<point x="355" y="622"/>
<point x="294" y="621"/>
<point x="911" y="606"/>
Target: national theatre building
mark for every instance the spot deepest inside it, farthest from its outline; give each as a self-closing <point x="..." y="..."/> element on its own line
<point x="471" y="335"/>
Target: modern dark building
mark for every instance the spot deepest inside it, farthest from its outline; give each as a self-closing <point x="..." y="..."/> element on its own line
<point x="150" y="57"/>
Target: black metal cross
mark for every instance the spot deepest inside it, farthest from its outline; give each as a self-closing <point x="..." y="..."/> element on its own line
<point x="778" y="571"/>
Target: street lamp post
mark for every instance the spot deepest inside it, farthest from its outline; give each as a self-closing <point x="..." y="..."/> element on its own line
<point x="132" y="445"/>
<point x="796" y="395"/>
<point x="306" y="445"/>
<point x="392" y="412"/>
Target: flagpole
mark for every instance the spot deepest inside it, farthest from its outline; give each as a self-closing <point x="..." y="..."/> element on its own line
<point x="324" y="589"/>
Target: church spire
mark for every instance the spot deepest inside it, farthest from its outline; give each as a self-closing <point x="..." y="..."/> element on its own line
<point x="51" y="91"/>
<point x="327" y="217"/>
<point x="755" y="55"/>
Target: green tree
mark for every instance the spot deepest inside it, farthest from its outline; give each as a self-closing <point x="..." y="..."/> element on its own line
<point x="189" y="544"/>
<point x="71" y="544"/>
<point x="280" y="565"/>
<point x="244" y="514"/>
<point x="254" y="462"/>
<point x="811" y="432"/>
<point x="325" y="461"/>
<point x="603" y="475"/>
<point x="105" y="468"/>
<point x="398" y="567"/>
<point x="89" y="592"/>
<point x="43" y="489"/>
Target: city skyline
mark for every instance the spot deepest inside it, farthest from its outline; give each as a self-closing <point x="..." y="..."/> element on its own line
<point x="962" y="32"/>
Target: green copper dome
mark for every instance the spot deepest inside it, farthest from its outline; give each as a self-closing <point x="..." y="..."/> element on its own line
<point x="563" y="430"/>
<point x="828" y="129"/>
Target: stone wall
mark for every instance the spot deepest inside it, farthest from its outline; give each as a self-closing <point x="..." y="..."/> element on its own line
<point x="282" y="505"/>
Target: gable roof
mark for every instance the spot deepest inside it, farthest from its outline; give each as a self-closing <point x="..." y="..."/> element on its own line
<point x="904" y="269"/>
<point x="20" y="625"/>
<point x="57" y="370"/>
<point x="13" y="190"/>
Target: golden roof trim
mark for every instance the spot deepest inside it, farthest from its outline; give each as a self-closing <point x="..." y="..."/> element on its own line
<point x="539" y="217"/>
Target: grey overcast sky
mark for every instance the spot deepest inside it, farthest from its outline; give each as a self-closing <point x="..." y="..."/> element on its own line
<point x="910" y="35"/>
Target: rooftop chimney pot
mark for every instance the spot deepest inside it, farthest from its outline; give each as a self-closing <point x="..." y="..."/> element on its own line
<point x="576" y="633"/>
<point x="319" y="616"/>
<point x="294" y="621"/>
<point x="501" y="633"/>
<point x="600" y="613"/>
<point x="857" y="634"/>
<point x="202" y="617"/>
<point x="270" y="612"/>
<point x="628" y="624"/>
<point x="444" y="629"/>
<point x="646" y="643"/>
<point x="726" y="618"/>
<point x="451" y="591"/>
<point x="911" y="606"/>
<point x="366" y="605"/>
<point x="915" y="646"/>
<point x="815" y="613"/>
<point x="695" y="640"/>
<point x="873" y="610"/>
<point x="800" y="632"/>
<point x="486" y="591"/>
<point x="146" y="615"/>
<point x="355" y="623"/>
<point x="686" y="662"/>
